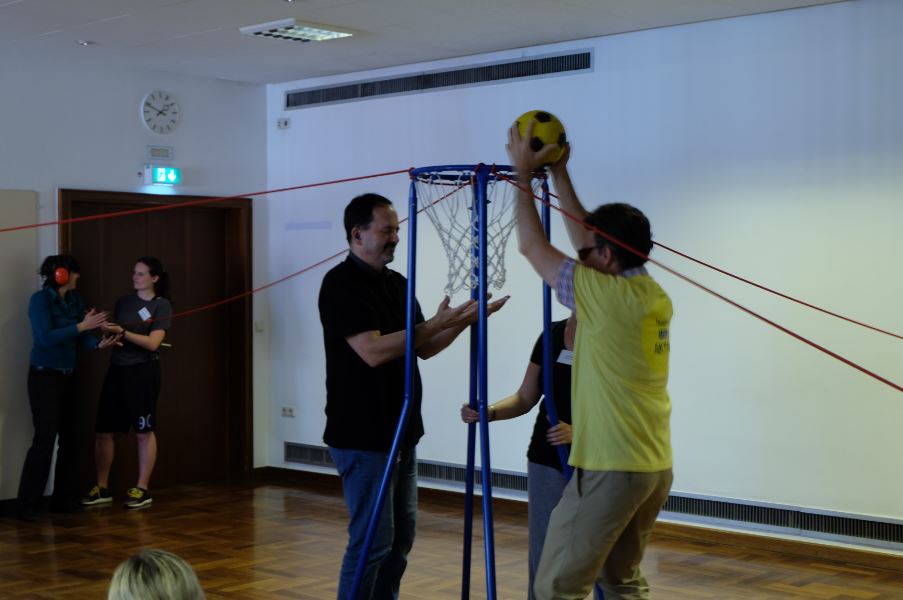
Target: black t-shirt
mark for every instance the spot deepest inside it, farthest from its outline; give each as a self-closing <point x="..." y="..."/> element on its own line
<point x="540" y="451"/>
<point x="139" y="316"/>
<point x="363" y="403"/>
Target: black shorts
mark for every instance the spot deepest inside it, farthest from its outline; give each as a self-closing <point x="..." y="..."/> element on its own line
<point x="128" y="399"/>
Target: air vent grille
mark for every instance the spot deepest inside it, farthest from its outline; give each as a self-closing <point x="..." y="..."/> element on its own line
<point x="534" y="67"/>
<point x="786" y="518"/>
<point x="736" y="513"/>
<point x="158" y="153"/>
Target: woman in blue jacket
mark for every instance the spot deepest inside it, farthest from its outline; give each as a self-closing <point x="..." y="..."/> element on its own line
<point x="59" y="325"/>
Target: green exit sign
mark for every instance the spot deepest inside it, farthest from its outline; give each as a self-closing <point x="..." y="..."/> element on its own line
<point x="160" y="175"/>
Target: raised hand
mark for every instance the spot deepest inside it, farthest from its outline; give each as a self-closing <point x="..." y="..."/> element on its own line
<point x="524" y="160"/>
<point x="113" y="328"/>
<point x="109" y="340"/>
<point x="491" y="308"/>
<point x="560" y="166"/>
<point x="93" y="320"/>
<point x="496" y="306"/>
<point x="448" y="316"/>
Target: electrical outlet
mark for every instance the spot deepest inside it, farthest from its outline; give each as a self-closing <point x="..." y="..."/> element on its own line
<point x="283" y="123"/>
<point x="288" y="412"/>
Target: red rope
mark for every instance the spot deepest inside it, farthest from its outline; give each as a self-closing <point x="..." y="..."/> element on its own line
<point x="199" y="202"/>
<point x="753" y="283"/>
<point x="780" y="294"/>
<point x="695" y="283"/>
<point x="253" y="291"/>
<point x="250" y="292"/>
<point x="743" y="279"/>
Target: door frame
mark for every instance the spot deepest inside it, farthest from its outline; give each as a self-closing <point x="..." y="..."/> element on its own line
<point x="240" y="427"/>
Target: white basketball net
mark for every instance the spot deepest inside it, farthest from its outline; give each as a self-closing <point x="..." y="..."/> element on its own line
<point x="448" y="199"/>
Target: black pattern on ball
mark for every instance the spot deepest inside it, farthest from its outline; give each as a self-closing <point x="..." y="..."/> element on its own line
<point x="547" y="129"/>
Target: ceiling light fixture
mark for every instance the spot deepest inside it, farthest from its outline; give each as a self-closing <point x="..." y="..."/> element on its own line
<point x="291" y="29"/>
<point x="85" y="42"/>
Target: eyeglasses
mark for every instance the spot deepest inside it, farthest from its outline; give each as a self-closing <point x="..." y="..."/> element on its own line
<point x="583" y="253"/>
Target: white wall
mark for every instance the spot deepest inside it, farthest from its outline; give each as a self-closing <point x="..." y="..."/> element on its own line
<point x="19" y="264"/>
<point x="68" y="125"/>
<point x="770" y="145"/>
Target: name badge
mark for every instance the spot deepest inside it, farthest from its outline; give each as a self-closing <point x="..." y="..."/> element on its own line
<point x="144" y="314"/>
<point x="566" y="357"/>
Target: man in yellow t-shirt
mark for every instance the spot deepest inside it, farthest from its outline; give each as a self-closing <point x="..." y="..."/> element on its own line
<point x="621" y="411"/>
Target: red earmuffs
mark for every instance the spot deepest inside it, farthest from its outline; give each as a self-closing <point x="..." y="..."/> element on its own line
<point x="61" y="275"/>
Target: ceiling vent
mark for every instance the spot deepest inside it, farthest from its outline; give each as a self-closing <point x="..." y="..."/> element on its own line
<point x="292" y="30"/>
<point x="565" y="64"/>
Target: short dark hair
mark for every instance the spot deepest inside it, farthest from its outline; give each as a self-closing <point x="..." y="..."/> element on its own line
<point x="54" y="262"/>
<point x="628" y="225"/>
<point x="359" y="212"/>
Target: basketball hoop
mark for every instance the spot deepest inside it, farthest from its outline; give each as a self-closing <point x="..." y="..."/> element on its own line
<point x="448" y="195"/>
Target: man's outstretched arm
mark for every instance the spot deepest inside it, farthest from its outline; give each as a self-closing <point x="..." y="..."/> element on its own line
<point x="531" y="239"/>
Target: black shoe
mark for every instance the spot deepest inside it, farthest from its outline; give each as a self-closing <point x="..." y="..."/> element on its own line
<point x="67" y="508"/>
<point x="27" y="514"/>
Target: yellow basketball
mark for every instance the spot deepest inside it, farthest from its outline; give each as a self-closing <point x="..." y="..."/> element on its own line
<point x="547" y="129"/>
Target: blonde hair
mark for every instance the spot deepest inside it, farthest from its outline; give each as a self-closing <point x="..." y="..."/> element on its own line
<point x="155" y="575"/>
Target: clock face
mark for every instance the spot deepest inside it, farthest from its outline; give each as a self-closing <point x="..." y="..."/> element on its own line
<point x="160" y="112"/>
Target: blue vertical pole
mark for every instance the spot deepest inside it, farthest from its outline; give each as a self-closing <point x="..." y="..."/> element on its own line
<point x="482" y="176"/>
<point x="409" y="366"/>
<point x="547" y="359"/>
<point x="471" y="431"/>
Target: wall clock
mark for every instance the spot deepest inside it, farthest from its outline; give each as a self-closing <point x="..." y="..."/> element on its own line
<point x="160" y="111"/>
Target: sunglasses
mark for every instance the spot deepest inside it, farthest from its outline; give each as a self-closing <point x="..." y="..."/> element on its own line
<point x="583" y="253"/>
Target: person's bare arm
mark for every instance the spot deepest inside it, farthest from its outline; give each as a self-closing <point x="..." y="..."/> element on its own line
<point x="580" y="236"/>
<point x="376" y="349"/>
<point x="513" y="406"/>
<point x="531" y="239"/>
<point x="443" y="340"/>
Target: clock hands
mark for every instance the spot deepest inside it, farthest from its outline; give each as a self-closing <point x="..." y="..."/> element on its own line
<point x="161" y="111"/>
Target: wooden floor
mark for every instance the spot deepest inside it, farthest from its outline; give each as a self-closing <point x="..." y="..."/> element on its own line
<point x="279" y="539"/>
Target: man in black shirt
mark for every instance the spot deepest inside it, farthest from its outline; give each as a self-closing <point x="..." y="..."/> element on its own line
<point x="363" y="308"/>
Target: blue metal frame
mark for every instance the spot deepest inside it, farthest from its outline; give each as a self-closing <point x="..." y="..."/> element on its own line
<point x="473" y="402"/>
<point x="409" y="366"/>
<point x="547" y="358"/>
<point x="483" y="379"/>
<point x="478" y="380"/>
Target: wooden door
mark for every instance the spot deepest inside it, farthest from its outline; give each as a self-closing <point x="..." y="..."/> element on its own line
<point x="204" y="410"/>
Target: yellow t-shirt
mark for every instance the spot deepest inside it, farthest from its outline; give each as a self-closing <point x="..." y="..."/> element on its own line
<point x="620" y="403"/>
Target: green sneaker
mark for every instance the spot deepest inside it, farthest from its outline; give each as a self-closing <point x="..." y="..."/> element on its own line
<point x="138" y="498"/>
<point x="97" y="495"/>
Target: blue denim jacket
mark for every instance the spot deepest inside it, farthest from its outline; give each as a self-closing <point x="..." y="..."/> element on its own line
<point x="54" y="322"/>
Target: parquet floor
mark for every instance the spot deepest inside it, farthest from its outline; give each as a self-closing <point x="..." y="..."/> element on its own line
<point x="285" y="540"/>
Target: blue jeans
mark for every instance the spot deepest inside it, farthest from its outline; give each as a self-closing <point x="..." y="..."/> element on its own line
<point x="362" y="472"/>
<point x="544" y="488"/>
